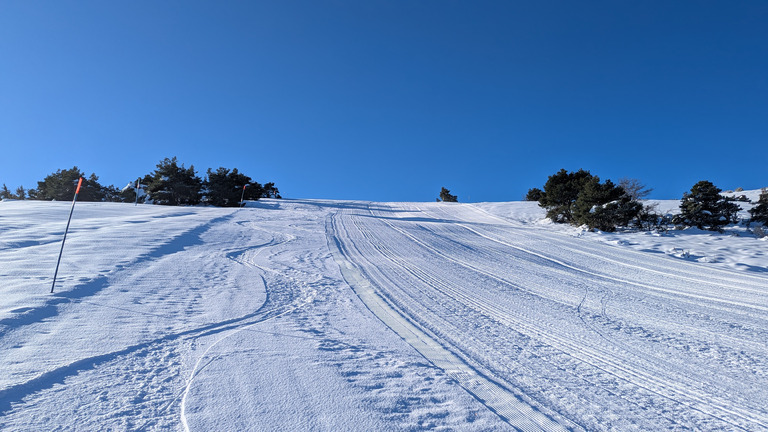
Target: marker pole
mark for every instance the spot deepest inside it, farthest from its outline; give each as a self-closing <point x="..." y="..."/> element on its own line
<point x="71" y="210"/>
<point x="242" y="195"/>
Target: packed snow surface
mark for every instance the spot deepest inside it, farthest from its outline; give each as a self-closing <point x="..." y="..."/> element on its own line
<point x="343" y="315"/>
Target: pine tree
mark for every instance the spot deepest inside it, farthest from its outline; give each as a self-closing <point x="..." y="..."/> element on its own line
<point x="21" y="193"/>
<point x="224" y="188"/>
<point x="534" y="194"/>
<point x="591" y="208"/>
<point x="172" y="184"/>
<point x="270" y="191"/>
<point x="5" y="193"/>
<point x="60" y="186"/>
<point x="91" y="190"/>
<point x="561" y="192"/>
<point x="218" y="190"/>
<point x="704" y="208"/>
<point x="445" y="196"/>
<point x="759" y="213"/>
<point x="111" y="194"/>
<point x="605" y="206"/>
<point x="580" y="198"/>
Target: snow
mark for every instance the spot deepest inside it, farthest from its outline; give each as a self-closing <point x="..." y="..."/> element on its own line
<point x="735" y="248"/>
<point x="347" y="315"/>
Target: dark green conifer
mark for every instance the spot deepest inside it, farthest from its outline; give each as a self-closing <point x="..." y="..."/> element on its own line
<point x="534" y="194"/>
<point x="759" y="213"/>
<point x="60" y="186"/>
<point x="561" y="192"/>
<point x="445" y="196"/>
<point x="704" y="208"/>
<point x="172" y="184"/>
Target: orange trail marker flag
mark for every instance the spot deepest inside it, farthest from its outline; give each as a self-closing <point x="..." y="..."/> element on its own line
<point x="77" y="191"/>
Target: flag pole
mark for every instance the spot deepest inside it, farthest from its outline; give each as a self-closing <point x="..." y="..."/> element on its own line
<point x="71" y="210"/>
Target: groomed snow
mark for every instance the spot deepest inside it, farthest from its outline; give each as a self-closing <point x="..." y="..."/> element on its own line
<point x="340" y="315"/>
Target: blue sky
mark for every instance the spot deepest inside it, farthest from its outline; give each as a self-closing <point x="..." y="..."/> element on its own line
<point x="388" y="100"/>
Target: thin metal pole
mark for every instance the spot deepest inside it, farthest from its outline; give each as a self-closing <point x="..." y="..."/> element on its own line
<point x="71" y="210"/>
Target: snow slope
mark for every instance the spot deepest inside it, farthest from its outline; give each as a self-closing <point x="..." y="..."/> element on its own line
<point x="736" y="248"/>
<point x="332" y="315"/>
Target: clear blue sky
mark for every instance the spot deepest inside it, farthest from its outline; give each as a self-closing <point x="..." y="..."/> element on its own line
<point x="388" y="100"/>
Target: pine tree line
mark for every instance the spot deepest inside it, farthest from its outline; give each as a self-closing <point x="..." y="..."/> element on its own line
<point x="170" y="183"/>
<point x="577" y="198"/>
<point x="580" y="198"/>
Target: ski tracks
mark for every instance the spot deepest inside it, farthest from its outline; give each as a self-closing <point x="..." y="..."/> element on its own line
<point x="390" y="251"/>
<point x="497" y="397"/>
<point x="137" y="387"/>
<point x="279" y="302"/>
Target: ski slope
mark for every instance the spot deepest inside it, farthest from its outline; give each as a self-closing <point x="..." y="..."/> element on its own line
<point x="342" y="315"/>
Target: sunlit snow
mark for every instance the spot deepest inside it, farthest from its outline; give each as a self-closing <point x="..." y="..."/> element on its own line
<point x="345" y="315"/>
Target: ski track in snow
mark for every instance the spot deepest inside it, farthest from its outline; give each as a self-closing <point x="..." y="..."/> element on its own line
<point x="497" y="398"/>
<point x="267" y="311"/>
<point x="423" y="287"/>
<point x="220" y="319"/>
